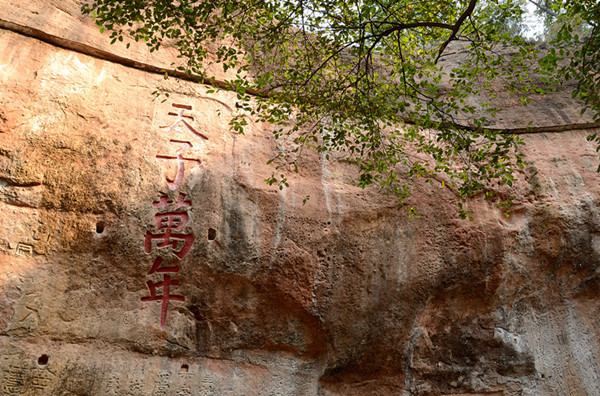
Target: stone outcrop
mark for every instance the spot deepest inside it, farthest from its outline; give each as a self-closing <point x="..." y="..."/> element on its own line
<point x="109" y="199"/>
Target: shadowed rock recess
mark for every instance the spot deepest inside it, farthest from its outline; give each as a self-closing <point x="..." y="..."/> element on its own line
<point x="141" y="252"/>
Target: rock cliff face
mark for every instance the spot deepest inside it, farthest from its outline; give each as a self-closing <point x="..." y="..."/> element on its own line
<point x="141" y="253"/>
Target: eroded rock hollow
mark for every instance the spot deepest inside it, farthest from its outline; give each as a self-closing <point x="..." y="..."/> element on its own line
<point x="141" y="252"/>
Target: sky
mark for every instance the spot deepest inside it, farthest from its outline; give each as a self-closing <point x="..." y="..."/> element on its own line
<point x="533" y="22"/>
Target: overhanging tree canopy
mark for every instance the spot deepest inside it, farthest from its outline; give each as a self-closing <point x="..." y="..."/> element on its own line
<point x="368" y="77"/>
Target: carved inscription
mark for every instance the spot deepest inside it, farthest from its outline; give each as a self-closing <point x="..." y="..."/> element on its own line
<point x="24" y="249"/>
<point x="184" y="392"/>
<point x="162" y="387"/>
<point x="169" y="237"/>
<point x="41" y="380"/>
<point x="170" y="221"/>
<point x="113" y="386"/>
<point x="208" y="385"/>
<point x="565" y="353"/>
<point x="169" y="384"/>
<point x="20" y="379"/>
<point x="169" y="225"/>
<point x="30" y="375"/>
<point x="26" y="317"/>
<point x="135" y="388"/>
<point x="14" y="381"/>
<point x="179" y="159"/>
<point x="181" y="118"/>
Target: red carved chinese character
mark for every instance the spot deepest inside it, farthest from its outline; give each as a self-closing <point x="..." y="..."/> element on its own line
<point x="169" y="222"/>
<point x="180" y="119"/>
<point x="157" y="268"/>
<point x="166" y="284"/>
<point x="179" y="158"/>
<point x="164" y="201"/>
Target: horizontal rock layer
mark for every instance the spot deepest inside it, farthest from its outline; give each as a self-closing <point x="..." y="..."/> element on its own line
<point x="339" y="295"/>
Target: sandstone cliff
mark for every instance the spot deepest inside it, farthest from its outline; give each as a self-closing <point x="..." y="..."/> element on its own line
<point x="110" y="200"/>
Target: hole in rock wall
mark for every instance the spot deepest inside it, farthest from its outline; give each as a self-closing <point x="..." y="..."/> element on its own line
<point x="212" y="234"/>
<point x="99" y="227"/>
<point x="43" y="360"/>
<point x="185" y="368"/>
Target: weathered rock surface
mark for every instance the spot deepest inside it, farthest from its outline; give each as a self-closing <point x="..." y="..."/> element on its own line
<point x="341" y="296"/>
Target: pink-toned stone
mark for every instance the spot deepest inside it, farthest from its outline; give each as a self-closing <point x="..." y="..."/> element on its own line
<point x="343" y="295"/>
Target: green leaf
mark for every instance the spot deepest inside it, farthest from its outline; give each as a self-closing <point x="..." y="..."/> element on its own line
<point x="353" y="79"/>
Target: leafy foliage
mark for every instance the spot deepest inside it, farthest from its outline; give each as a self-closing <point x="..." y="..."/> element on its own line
<point x="368" y="78"/>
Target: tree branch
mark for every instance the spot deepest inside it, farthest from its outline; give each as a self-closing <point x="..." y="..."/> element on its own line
<point x="544" y="8"/>
<point x="456" y="27"/>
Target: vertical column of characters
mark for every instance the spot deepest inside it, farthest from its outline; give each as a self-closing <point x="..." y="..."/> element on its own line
<point x="171" y="218"/>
